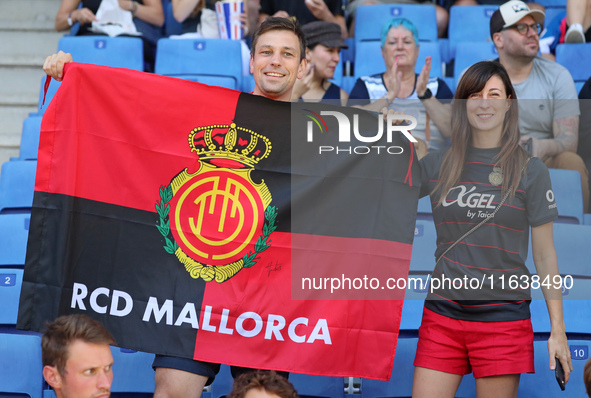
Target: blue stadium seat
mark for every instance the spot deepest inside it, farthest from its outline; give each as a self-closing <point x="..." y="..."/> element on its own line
<point x="566" y="185"/>
<point x="552" y="3"/>
<point x="554" y="12"/>
<point x="412" y="313"/>
<point x="400" y="383"/>
<point x="17" y="183"/>
<point x="424" y="210"/>
<point x="577" y="59"/>
<point x="318" y="386"/>
<point x="370" y="19"/>
<point x="51" y="90"/>
<point x="11" y="281"/>
<point x="543" y="383"/>
<point x="20" y="364"/>
<point x="132" y="373"/>
<point x="119" y="52"/>
<point x="222" y="385"/>
<point x="468" y="53"/>
<point x="30" y="138"/>
<point x="14" y="233"/>
<point x="423" y="247"/>
<point x="478" y="28"/>
<point x="211" y="61"/>
<point x="573" y="252"/>
<point x="369" y="60"/>
<point x="171" y="25"/>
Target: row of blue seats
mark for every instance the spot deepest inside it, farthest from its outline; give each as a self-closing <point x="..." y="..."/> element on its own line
<point x="133" y="374"/>
<point x="20" y="373"/>
<point x="219" y="62"/>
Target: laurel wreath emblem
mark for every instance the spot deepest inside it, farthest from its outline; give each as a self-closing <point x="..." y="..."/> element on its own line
<point x="208" y="272"/>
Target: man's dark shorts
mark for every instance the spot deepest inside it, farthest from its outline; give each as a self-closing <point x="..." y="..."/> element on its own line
<point x="207" y="369"/>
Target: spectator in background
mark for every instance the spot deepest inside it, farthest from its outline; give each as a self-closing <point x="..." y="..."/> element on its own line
<point x="77" y="360"/>
<point x="262" y="384"/>
<point x="578" y="21"/>
<point x="148" y="18"/>
<point x="572" y="27"/>
<point x="305" y="11"/>
<point x="323" y="44"/>
<point x="193" y="14"/>
<point x="584" y="147"/>
<point x="401" y="89"/>
<point x="548" y="106"/>
<point x="441" y="13"/>
<point x="198" y="18"/>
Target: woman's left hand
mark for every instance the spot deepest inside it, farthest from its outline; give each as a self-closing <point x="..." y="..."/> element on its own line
<point x="558" y="348"/>
<point x="423" y="78"/>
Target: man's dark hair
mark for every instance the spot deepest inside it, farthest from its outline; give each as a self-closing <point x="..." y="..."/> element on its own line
<point x="267" y="380"/>
<point x="276" y="23"/>
<point x="66" y="329"/>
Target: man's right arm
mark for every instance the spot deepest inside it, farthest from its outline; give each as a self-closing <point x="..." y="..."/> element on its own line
<point x="566" y="134"/>
<point x="54" y="65"/>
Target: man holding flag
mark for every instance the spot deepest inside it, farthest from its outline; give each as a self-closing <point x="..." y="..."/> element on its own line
<point x="277" y="59"/>
<point x="211" y="255"/>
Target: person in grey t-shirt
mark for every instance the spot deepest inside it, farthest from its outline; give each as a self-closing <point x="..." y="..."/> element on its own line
<point x="548" y="106"/>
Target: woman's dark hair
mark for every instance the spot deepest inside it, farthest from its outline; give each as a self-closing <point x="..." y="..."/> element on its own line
<point x="511" y="157"/>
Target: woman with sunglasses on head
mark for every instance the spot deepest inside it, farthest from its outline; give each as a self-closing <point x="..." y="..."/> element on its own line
<point x="486" y="194"/>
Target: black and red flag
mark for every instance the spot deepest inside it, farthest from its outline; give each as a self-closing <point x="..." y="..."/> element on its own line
<point x="206" y="223"/>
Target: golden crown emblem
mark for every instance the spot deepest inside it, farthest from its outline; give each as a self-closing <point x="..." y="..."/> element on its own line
<point x="229" y="142"/>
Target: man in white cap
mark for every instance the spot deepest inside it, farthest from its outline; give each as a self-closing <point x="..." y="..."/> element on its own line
<point x="548" y="106"/>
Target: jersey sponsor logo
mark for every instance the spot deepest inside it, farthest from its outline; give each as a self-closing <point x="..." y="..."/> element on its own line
<point x="550" y="198"/>
<point x="469" y="198"/>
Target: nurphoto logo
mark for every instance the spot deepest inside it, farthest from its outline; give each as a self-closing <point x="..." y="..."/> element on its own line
<point x="346" y="132"/>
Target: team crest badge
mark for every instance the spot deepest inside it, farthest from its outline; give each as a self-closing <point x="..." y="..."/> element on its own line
<point x="496" y="176"/>
<point x="217" y="220"/>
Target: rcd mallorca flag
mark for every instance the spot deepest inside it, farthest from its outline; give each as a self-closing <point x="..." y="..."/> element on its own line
<point x="206" y="223"/>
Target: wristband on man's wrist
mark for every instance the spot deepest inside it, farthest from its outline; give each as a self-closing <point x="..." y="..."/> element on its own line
<point x="70" y="21"/>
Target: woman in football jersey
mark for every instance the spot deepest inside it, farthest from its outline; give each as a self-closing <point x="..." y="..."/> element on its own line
<point x="473" y="321"/>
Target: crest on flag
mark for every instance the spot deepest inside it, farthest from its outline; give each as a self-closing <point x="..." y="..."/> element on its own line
<point x="212" y="218"/>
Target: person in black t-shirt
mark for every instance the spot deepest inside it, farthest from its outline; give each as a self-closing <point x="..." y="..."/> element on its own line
<point x="473" y="321"/>
<point x="305" y="11"/>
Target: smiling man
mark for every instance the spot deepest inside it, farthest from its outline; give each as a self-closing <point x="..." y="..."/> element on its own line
<point x="277" y="58"/>
<point x="548" y="105"/>
<point x="77" y="360"/>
